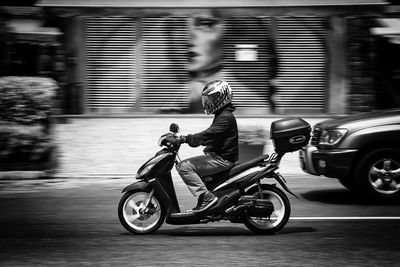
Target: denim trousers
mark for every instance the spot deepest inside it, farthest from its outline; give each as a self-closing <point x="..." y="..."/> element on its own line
<point x="192" y="169"/>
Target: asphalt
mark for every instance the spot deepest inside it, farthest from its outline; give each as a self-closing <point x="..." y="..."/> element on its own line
<point x="116" y="146"/>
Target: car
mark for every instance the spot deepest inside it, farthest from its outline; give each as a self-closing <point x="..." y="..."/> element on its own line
<point x="361" y="150"/>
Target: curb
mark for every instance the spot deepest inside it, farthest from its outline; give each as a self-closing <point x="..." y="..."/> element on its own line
<point x="93" y="176"/>
<point x="98" y="176"/>
<point x="41" y="175"/>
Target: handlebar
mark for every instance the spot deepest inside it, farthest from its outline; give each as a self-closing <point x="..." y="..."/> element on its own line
<point x="171" y="140"/>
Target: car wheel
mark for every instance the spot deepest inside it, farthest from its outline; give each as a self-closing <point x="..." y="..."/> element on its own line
<point x="377" y="175"/>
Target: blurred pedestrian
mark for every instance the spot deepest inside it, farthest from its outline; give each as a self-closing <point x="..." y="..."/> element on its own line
<point x="273" y="82"/>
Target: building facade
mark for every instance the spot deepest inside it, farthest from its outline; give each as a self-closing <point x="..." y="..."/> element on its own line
<point x="285" y="57"/>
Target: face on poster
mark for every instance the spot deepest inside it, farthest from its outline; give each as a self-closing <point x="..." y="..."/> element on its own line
<point x="205" y="45"/>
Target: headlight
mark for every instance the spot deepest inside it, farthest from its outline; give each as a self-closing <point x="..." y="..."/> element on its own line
<point x="332" y="137"/>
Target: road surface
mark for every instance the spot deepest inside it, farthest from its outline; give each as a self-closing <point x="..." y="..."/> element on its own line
<point x="73" y="222"/>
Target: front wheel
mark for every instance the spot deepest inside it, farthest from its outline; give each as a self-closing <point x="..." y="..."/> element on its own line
<point x="138" y="218"/>
<point x="279" y="217"/>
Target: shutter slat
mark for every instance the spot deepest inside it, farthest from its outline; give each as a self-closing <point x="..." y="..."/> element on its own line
<point x="164" y="57"/>
<point x="110" y="64"/>
<point x="249" y="79"/>
<point x="302" y="66"/>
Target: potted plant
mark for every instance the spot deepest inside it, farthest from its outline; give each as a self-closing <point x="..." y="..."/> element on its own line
<point x="26" y="134"/>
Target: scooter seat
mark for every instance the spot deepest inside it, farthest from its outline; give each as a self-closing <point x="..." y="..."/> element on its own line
<point x="214" y="180"/>
<point x="242" y="166"/>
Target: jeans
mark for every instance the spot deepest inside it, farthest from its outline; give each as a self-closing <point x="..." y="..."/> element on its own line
<point x="192" y="169"/>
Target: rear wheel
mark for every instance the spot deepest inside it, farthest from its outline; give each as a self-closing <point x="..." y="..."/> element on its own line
<point x="136" y="217"/>
<point x="377" y="175"/>
<point x="279" y="217"/>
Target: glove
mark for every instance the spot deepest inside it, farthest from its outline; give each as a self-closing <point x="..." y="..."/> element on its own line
<point x="183" y="139"/>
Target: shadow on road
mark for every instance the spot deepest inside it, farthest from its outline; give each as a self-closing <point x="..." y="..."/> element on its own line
<point x="225" y="231"/>
<point x="340" y="197"/>
<point x="297" y="230"/>
<point x="332" y="196"/>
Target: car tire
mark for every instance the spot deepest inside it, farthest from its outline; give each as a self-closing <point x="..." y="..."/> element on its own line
<point x="374" y="176"/>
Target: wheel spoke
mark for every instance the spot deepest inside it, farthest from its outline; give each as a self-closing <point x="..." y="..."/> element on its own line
<point x="140" y="224"/>
<point x="387" y="165"/>
<point x="375" y="172"/>
<point x="132" y="204"/>
<point x="396" y="173"/>
<point x="379" y="184"/>
<point x="133" y="217"/>
<point x="277" y="213"/>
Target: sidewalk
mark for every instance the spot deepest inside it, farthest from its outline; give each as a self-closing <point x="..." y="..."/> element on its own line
<point x="116" y="147"/>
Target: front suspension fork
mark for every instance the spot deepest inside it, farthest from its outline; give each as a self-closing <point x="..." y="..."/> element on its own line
<point x="148" y="200"/>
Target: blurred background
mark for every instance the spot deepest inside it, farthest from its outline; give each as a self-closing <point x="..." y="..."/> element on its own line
<point x="133" y="57"/>
<point x="68" y="60"/>
<point x="88" y="86"/>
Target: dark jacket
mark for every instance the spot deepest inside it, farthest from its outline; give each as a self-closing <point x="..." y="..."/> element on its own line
<point x="221" y="137"/>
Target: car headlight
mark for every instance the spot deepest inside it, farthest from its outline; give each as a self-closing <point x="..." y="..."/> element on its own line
<point x="332" y="137"/>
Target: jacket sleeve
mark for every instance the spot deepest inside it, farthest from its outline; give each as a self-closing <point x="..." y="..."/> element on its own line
<point x="211" y="135"/>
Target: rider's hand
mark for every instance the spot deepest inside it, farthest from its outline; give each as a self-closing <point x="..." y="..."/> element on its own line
<point x="183" y="139"/>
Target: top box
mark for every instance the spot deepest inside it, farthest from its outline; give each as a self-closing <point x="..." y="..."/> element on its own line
<point x="290" y="134"/>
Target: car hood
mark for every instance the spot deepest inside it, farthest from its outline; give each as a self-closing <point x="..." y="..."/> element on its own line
<point x="363" y="120"/>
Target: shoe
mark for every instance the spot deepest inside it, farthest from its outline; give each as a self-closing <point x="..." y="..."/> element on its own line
<point x="205" y="201"/>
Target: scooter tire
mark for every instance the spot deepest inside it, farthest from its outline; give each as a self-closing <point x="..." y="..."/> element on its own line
<point x="124" y="215"/>
<point x="269" y="227"/>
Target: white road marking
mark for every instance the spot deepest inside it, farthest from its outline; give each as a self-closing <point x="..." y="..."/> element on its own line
<point x="348" y="218"/>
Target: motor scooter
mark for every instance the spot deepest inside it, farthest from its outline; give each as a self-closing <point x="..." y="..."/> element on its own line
<point x="245" y="193"/>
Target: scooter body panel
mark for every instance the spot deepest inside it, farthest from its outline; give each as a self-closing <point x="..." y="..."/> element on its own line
<point x="142" y="185"/>
<point x="226" y="199"/>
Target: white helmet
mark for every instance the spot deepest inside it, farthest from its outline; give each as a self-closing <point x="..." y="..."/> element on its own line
<point x="216" y="95"/>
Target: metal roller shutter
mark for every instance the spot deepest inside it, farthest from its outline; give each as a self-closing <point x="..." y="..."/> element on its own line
<point x="110" y="64"/>
<point x="248" y="77"/>
<point x="302" y="63"/>
<point x="164" y="59"/>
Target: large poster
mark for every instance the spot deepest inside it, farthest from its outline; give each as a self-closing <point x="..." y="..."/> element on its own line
<point x="175" y="56"/>
<point x="233" y="49"/>
<point x="205" y="54"/>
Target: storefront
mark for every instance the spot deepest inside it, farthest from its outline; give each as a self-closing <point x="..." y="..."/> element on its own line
<point x="155" y="56"/>
<point x="28" y="48"/>
<point x="387" y="67"/>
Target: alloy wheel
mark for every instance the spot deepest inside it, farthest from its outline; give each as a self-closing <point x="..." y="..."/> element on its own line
<point x="137" y="216"/>
<point x="384" y="176"/>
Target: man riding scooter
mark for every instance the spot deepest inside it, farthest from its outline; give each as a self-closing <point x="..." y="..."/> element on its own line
<point x="237" y="194"/>
<point x="220" y="139"/>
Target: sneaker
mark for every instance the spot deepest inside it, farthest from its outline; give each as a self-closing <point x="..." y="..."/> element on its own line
<point x="205" y="201"/>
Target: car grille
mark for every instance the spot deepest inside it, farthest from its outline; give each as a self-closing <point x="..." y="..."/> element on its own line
<point x="316" y="134"/>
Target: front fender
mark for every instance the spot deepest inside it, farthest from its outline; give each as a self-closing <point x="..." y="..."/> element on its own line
<point x="137" y="185"/>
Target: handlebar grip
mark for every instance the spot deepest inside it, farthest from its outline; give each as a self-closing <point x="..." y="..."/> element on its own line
<point x="183" y="139"/>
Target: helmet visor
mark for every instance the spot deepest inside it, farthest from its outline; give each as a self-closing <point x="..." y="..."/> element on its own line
<point x="209" y="102"/>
